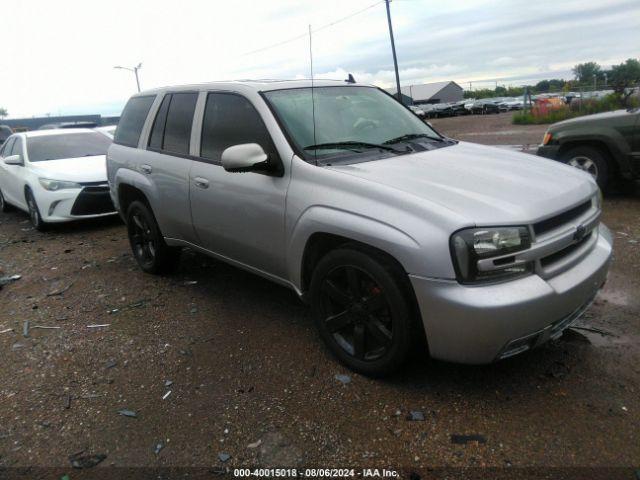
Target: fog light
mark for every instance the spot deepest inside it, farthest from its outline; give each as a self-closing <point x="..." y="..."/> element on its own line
<point x="518" y="346"/>
<point x="53" y="206"/>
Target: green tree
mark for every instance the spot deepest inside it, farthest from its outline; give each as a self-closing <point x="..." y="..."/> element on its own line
<point x="584" y="72"/>
<point x="3" y="112"/>
<point x="625" y="75"/>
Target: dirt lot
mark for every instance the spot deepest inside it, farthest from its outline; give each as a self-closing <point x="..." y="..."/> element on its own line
<point x="217" y="362"/>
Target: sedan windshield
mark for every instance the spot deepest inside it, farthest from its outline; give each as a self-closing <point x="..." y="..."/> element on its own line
<point x="347" y="120"/>
<point x="69" y="145"/>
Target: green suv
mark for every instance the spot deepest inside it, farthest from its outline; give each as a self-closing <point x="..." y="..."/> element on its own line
<point x="607" y="145"/>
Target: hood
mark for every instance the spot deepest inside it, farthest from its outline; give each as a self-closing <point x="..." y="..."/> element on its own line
<point x="83" y="169"/>
<point x="596" y="117"/>
<point x="485" y="185"/>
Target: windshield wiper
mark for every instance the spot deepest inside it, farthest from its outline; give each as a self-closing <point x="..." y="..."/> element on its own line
<point x="350" y="145"/>
<point x="412" y="136"/>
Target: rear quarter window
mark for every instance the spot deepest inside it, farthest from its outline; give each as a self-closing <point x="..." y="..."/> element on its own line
<point x="132" y="120"/>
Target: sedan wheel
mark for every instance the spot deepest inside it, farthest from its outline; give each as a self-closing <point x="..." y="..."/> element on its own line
<point x="4" y="206"/>
<point x="34" y="213"/>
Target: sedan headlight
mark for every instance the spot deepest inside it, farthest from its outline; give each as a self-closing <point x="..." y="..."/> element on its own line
<point x="474" y="244"/>
<point x="53" y="185"/>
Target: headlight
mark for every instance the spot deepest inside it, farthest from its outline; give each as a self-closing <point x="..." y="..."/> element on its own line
<point x="474" y="244"/>
<point x="53" y="185"/>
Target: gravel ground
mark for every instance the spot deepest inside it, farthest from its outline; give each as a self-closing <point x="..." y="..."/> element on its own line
<point x="215" y="362"/>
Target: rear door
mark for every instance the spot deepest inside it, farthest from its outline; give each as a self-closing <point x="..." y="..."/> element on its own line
<point x="167" y="162"/>
<point x="238" y="215"/>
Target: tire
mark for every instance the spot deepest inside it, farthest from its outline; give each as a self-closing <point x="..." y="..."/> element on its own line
<point x="591" y="160"/>
<point x="147" y="243"/>
<point x="364" y="311"/>
<point x="34" y="213"/>
<point x="4" y="206"/>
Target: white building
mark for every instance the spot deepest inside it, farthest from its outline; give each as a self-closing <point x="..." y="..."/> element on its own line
<point x="437" y="92"/>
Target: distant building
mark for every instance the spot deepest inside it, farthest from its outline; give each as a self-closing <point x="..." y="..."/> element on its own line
<point x="437" y="92"/>
<point x="34" y="123"/>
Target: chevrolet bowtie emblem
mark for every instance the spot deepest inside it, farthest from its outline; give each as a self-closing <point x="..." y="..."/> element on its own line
<point x="580" y="231"/>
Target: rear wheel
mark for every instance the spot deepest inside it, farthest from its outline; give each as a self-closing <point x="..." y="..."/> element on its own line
<point x="363" y="311"/>
<point x="591" y="160"/>
<point x="149" y="248"/>
<point x="34" y="213"/>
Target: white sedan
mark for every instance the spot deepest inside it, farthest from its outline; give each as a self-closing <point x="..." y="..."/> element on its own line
<point x="55" y="175"/>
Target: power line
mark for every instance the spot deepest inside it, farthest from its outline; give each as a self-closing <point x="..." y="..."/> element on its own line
<point x="322" y="27"/>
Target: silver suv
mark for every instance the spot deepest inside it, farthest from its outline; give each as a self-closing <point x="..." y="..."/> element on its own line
<point x="392" y="232"/>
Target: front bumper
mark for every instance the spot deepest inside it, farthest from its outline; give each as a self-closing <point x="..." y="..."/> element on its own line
<point x="74" y="204"/>
<point x="548" y="151"/>
<point x="481" y="324"/>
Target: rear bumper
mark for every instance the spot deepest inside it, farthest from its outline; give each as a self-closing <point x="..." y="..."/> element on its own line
<point x="481" y="324"/>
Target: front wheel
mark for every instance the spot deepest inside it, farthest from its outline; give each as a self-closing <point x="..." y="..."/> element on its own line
<point x="363" y="311"/>
<point x="4" y="206"/>
<point x="147" y="243"/>
<point x="590" y="160"/>
<point x="34" y="213"/>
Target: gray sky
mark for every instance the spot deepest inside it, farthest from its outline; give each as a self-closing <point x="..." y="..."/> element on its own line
<point x="58" y="55"/>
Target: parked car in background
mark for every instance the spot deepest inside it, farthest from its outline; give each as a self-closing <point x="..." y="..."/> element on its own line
<point x="389" y="230"/>
<point x="109" y="130"/>
<point x="485" y="106"/>
<point x="418" y="111"/>
<point x="55" y="175"/>
<point x="52" y="126"/>
<point x="5" y="132"/>
<point x="606" y="145"/>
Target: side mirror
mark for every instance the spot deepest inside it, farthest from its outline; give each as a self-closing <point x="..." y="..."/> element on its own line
<point x="14" y="160"/>
<point x="244" y="158"/>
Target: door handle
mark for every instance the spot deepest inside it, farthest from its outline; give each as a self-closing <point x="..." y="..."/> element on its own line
<point x="146" y="169"/>
<point x="201" y="182"/>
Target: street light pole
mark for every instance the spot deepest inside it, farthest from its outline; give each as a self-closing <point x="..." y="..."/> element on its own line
<point x="393" y="49"/>
<point x="135" y="72"/>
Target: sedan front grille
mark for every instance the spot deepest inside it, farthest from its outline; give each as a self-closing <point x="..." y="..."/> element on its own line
<point x="93" y="200"/>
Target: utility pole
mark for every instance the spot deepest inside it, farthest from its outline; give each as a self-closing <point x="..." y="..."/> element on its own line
<point x="393" y="49"/>
<point x="134" y="70"/>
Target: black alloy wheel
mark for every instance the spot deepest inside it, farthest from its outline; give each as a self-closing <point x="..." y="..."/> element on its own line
<point x="147" y="243"/>
<point x="363" y="311"/>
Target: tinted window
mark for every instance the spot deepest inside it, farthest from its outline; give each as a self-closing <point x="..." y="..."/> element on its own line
<point x="6" y="148"/>
<point x="157" y="132"/>
<point x="68" y="145"/>
<point x="231" y="120"/>
<point x="177" y="132"/>
<point x="132" y="121"/>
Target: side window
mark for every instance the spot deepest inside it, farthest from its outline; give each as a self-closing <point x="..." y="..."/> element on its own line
<point x="177" y="131"/>
<point x="6" y="148"/>
<point x="230" y="119"/>
<point x="17" y="147"/>
<point x="132" y="120"/>
<point x="157" y="132"/>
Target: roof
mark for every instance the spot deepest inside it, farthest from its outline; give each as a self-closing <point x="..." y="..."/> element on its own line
<point x="255" y="85"/>
<point x="55" y="131"/>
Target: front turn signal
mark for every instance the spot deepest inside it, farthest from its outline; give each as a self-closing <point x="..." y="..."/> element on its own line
<point x="547" y="138"/>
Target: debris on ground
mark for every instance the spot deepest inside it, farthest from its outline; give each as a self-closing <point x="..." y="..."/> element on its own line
<point x="168" y="383"/>
<point x="111" y="364"/>
<point x="415" y="416"/>
<point x="190" y="282"/>
<point x="166" y="395"/>
<point x="44" y="327"/>
<point x="25" y="329"/>
<point x="558" y="370"/>
<point x="7" y="330"/>
<point x="464" y="439"/>
<point x="59" y="291"/>
<point x="224" y="457"/>
<point x="255" y="444"/>
<point x="344" y="379"/>
<point x="158" y="448"/>
<point x="67" y="402"/>
<point x="604" y="333"/>
<point x="99" y="326"/>
<point x="9" y="279"/>
<point x="80" y="461"/>
<point x="128" y="413"/>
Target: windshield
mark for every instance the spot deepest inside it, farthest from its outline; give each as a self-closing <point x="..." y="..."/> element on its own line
<point x="347" y="119"/>
<point x="70" y="145"/>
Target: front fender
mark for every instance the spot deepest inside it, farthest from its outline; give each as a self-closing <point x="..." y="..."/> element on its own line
<point x="609" y="137"/>
<point x="324" y="219"/>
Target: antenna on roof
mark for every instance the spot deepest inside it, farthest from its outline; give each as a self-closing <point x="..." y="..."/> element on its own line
<point x="313" y="101"/>
<point x="350" y="79"/>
